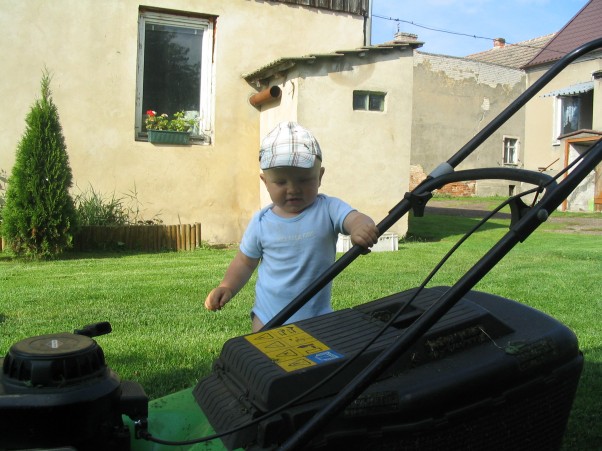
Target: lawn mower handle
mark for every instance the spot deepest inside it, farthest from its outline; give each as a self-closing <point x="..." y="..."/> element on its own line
<point x="517" y="233"/>
<point x="415" y="200"/>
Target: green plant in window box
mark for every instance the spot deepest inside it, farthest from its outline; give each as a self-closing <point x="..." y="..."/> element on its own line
<point x="163" y="130"/>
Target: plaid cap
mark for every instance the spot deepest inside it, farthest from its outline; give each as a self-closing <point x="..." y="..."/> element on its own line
<point x="289" y="144"/>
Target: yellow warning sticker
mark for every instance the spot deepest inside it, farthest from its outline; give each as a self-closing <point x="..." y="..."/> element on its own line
<point x="291" y="348"/>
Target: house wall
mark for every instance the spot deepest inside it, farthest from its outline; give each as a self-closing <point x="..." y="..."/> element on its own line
<point x="582" y="198"/>
<point x="90" y="48"/>
<point x="366" y="154"/>
<point x="543" y="148"/>
<point x="454" y="99"/>
<point x="597" y="110"/>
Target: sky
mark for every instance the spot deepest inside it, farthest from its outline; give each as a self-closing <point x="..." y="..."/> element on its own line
<point x="481" y="20"/>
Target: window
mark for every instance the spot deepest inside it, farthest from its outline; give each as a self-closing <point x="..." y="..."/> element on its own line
<point x="573" y="113"/>
<point x="569" y="114"/>
<point x="510" y="151"/>
<point x="174" y="69"/>
<point x="368" y="101"/>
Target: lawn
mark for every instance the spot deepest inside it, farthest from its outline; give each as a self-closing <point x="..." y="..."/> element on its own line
<point x="163" y="337"/>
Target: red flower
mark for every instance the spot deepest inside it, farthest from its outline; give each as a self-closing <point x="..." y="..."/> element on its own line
<point x="151" y="113"/>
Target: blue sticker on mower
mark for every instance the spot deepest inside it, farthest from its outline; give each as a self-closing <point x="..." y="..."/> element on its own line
<point x="325" y="356"/>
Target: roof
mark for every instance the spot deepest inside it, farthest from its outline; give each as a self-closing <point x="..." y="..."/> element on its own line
<point x="582" y="28"/>
<point x="513" y="55"/>
<point x="357" y="7"/>
<point x="578" y="88"/>
<point x="261" y="75"/>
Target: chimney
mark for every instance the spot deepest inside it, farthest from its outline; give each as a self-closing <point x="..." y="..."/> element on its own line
<point x="402" y="36"/>
<point x="499" y="43"/>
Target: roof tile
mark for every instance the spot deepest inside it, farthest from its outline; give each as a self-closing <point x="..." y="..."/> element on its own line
<point x="582" y="28"/>
<point x="513" y="55"/>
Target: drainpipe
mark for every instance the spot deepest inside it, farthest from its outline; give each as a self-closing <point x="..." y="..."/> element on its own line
<point x="266" y="96"/>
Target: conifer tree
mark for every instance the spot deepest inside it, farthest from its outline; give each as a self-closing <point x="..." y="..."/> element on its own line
<point x="39" y="215"/>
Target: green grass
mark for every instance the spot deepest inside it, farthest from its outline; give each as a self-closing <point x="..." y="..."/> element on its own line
<point x="163" y="337"/>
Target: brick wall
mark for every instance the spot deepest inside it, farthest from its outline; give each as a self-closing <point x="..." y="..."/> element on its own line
<point x="457" y="189"/>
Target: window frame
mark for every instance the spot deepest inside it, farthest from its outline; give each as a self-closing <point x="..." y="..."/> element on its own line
<point x="560" y="106"/>
<point x="367" y="100"/>
<point x="206" y="76"/>
<point x="584" y="113"/>
<point x="506" y="139"/>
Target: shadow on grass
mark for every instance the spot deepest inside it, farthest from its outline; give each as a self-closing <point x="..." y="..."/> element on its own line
<point x="158" y="382"/>
<point x="436" y="227"/>
<point x="6" y="257"/>
<point x="99" y="254"/>
<point x="81" y="255"/>
<point x="583" y="431"/>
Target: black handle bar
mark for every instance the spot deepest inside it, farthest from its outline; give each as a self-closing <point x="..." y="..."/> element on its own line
<point x="417" y="202"/>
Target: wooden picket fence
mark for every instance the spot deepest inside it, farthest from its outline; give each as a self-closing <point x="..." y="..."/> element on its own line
<point x="147" y="238"/>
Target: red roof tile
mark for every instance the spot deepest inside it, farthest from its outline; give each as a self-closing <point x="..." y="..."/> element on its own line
<point x="584" y="27"/>
<point x="513" y="55"/>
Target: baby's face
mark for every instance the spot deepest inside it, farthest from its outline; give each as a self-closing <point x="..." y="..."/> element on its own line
<point x="292" y="190"/>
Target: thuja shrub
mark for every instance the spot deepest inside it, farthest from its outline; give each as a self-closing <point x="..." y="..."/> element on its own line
<point x="3" y="184"/>
<point x="39" y="215"/>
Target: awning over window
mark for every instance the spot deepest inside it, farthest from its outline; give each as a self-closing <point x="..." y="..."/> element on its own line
<point x="572" y="90"/>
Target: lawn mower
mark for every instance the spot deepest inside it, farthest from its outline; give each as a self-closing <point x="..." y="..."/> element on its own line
<point x="445" y="367"/>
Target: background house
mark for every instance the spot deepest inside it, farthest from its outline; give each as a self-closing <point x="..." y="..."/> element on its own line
<point x="454" y="98"/>
<point x="385" y="115"/>
<point x="103" y="58"/>
<point x="567" y="117"/>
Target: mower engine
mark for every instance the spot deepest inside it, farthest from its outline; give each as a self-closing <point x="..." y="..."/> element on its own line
<point x="57" y="391"/>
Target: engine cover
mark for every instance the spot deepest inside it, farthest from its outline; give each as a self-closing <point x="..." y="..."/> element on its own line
<point x="57" y="391"/>
<point x="490" y="374"/>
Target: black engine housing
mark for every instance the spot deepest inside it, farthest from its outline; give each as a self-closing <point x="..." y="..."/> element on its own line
<point x="57" y="391"/>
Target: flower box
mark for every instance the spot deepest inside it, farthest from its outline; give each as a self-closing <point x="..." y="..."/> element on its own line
<point x="168" y="137"/>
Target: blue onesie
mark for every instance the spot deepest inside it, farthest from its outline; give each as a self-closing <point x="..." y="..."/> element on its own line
<point x="293" y="253"/>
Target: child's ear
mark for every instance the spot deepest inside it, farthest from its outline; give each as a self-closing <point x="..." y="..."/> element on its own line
<point x="262" y="177"/>
<point x="321" y="175"/>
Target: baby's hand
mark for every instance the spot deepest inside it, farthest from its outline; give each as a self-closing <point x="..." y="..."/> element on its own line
<point x="361" y="229"/>
<point x="217" y="298"/>
<point x="365" y="235"/>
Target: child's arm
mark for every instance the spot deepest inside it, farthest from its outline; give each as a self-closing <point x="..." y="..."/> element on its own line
<point x="361" y="229"/>
<point x="237" y="275"/>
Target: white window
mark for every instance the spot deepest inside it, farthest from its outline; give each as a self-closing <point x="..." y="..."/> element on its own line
<point x="573" y="113"/>
<point x="569" y="114"/>
<point x="175" y="69"/>
<point x="510" y="151"/>
<point x="368" y="101"/>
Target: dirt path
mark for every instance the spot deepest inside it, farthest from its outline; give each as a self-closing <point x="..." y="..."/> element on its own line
<point x="589" y="224"/>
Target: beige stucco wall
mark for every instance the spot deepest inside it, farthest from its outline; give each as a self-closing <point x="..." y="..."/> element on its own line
<point x="543" y="148"/>
<point x="90" y="47"/>
<point x="366" y="154"/>
<point x="454" y="99"/>
<point x="597" y="113"/>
